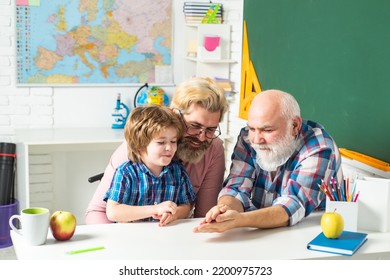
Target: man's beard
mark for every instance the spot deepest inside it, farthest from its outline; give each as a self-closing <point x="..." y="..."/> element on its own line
<point x="276" y="154"/>
<point x="187" y="153"/>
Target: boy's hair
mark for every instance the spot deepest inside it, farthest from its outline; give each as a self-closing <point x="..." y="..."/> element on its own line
<point x="144" y="124"/>
<point x="202" y="91"/>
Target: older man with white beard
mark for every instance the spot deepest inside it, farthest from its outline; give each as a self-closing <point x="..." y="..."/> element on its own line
<point x="277" y="164"/>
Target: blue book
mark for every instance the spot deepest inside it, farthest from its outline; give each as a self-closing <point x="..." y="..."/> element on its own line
<point x="347" y="244"/>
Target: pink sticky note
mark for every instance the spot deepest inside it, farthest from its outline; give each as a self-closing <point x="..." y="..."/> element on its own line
<point x="21" y="2"/>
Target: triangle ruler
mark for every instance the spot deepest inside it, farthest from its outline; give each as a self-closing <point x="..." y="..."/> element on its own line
<point x="250" y="85"/>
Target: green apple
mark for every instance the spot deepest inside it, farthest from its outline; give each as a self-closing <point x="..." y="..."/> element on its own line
<point x="62" y="225"/>
<point x="332" y="224"/>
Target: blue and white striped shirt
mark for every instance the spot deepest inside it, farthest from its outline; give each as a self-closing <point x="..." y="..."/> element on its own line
<point x="295" y="185"/>
<point x="134" y="184"/>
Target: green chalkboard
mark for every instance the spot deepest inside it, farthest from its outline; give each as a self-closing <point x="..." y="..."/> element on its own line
<point x="334" y="57"/>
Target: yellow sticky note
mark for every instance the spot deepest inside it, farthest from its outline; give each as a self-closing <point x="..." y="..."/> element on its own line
<point x="192" y="48"/>
<point x="34" y="2"/>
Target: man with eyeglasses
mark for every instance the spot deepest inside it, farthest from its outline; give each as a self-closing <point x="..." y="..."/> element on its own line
<point x="277" y="164"/>
<point x="202" y="105"/>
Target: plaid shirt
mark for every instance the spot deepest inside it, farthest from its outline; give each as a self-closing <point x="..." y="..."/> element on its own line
<point x="134" y="184"/>
<point x="295" y="185"/>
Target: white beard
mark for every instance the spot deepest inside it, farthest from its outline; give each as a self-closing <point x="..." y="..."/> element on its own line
<point x="275" y="154"/>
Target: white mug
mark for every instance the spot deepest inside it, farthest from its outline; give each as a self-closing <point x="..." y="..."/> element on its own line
<point x="35" y="224"/>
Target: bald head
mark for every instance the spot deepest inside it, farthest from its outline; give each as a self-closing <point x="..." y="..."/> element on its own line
<point x="275" y="110"/>
<point x="274" y="102"/>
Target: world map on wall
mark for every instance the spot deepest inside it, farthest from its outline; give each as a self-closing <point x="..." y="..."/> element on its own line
<point x="93" y="41"/>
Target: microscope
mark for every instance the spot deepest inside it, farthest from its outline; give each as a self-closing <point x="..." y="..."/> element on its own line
<point x="121" y="113"/>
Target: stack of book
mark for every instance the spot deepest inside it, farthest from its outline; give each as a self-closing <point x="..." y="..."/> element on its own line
<point x="202" y="12"/>
<point x="226" y="85"/>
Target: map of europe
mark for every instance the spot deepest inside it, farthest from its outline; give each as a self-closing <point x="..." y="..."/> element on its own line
<point x="92" y="41"/>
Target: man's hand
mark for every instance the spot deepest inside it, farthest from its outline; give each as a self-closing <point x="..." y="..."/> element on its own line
<point x="213" y="213"/>
<point x="224" y="220"/>
<point x="178" y="212"/>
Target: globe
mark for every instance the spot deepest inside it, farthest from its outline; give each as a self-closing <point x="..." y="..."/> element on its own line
<point x="151" y="95"/>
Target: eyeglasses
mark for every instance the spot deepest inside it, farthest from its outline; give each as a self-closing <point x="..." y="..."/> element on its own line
<point x="196" y="130"/>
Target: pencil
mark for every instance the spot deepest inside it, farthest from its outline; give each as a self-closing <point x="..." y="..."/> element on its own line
<point x="337" y="188"/>
<point x="325" y="191"/>
<point x="85" y="250"/>
<point x="329" y="190"/>
<point x="356" y="197"/>
<point x="353" y="190"/>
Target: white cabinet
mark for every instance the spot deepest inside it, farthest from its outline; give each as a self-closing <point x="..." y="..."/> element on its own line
<point x="197" y="60"/>
<point x="197" y="63"/>
<point x="53" y="166"/>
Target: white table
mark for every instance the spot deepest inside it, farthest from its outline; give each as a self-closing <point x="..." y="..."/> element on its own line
<point x="53" y="165"/>
<point x="146" y="241"/>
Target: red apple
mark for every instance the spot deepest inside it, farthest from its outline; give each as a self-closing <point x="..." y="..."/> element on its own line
<point x="62" y="225"/>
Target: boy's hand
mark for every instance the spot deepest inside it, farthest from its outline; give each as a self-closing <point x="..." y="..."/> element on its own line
<point x="165" y="219"/>
<point x="165" y="207"/>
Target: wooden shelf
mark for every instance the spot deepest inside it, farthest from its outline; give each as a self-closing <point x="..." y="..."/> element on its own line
<point x="211" y="61"/>
<point x="201" y="65"/>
